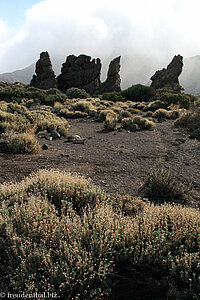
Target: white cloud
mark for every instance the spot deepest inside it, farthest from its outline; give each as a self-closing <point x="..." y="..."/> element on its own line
<point x="146" y="33"/>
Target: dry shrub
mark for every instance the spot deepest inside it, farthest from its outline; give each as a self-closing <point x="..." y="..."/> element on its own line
<point x="166" y="114"/>
<point x="143" y="123"/>
<point x="161" y="186"/>
<point x="22" y="143"/>
<point x="110" y="121"/>
<point x="142" y="252"/>
<point x="190" y="121"/>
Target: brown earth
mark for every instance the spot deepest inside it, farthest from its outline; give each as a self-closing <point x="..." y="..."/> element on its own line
<point x="119" y="162"/>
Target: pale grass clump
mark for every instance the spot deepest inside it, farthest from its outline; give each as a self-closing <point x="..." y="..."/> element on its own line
<point x="166" y="114"/>
<point x="142" y="123"/>
<point x="111" y="250"/>
<point x="190" y="121"/>
<point x="110" y="121"/>
<point x="16" y="118"/>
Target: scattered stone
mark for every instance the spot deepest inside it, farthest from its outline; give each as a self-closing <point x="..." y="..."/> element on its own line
<point x="64" y="155"/>
<point x="120" y="129"/>
<point x="43" y="134"/>
<point x="181" y="140"/>
<point x="80" y="72"/>
<point x="75" y="138"/>
<point x="168" y="78"/>
<point x="55" y="134"/>
<point x="128" y="131"/>
<point x="45" y="147"/>
<point x="82" y="141"/>
<point x="45" y="77"/>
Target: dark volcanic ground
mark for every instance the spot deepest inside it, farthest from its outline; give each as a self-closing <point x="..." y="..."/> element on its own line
<point x="119" y="162"/>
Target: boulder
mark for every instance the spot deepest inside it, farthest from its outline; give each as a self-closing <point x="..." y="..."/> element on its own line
<point x="112" y="83"/>
<point x="80" y="72"/>
<point x="45" y="77"/>
<point x="168" y="78"/>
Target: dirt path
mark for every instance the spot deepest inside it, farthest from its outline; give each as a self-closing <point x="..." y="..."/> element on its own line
<point x="117" y="161"/>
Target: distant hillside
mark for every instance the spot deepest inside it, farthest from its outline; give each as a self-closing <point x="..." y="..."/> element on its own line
<point x="23" y="76"/>
<point x="190" y="77"/>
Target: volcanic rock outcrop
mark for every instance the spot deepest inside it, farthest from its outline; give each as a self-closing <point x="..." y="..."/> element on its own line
<point x="169" y="77"/>
<point x="80" y="72"/>
<point x="45" y="76"/>
<point x="112" y="83"/>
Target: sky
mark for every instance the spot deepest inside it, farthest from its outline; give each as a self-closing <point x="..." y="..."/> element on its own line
<point x="147" y="34"/>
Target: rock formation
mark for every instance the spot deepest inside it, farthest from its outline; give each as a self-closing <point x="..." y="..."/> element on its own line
<point x="169" y="77"/>
<point x="112" y="83"/>
<point x="45" y="76"/>
<point x="80" y="72"/>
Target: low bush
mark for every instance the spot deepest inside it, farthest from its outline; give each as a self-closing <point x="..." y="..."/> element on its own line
<point x="77" y="93"/>
<point x="142" y="123"/>
<point x="183" y="100"/>
<point x="166" y="114"/>
<point x="31" y="95"/>
<point x="153" y="106"/>
<point x="59" y="233"/>
<point x="113" y="96"/>
<point x="190" y="121"/>
<point x="161" y="186"/>
<point x="105" y="112"/>
<point x="16" y="118"/>
<point x="110" y="121"/>
<point x="22" y="143"/>
<point x="138" y="92"/>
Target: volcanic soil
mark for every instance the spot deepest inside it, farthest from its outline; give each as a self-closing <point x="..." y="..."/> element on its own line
<point x="118" y="162"/>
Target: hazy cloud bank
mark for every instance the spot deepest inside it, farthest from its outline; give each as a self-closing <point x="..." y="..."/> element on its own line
<point x="147" y="34"/>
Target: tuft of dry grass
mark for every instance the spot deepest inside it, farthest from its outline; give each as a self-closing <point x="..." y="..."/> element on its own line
<point x="161" y="186"/>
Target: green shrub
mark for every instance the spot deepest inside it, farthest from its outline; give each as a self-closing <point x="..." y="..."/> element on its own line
<point x="23" y="94"/>
<point x="161" y="186"/>
<point x="22" y="143"/>
<point x="77" y="93"/>
<point x="113" y="96"/>
<point x="138" y="92"/>
<point x="183" y="100"/>
<point x="153" y="106"/>
<point x="65" y="113"/>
